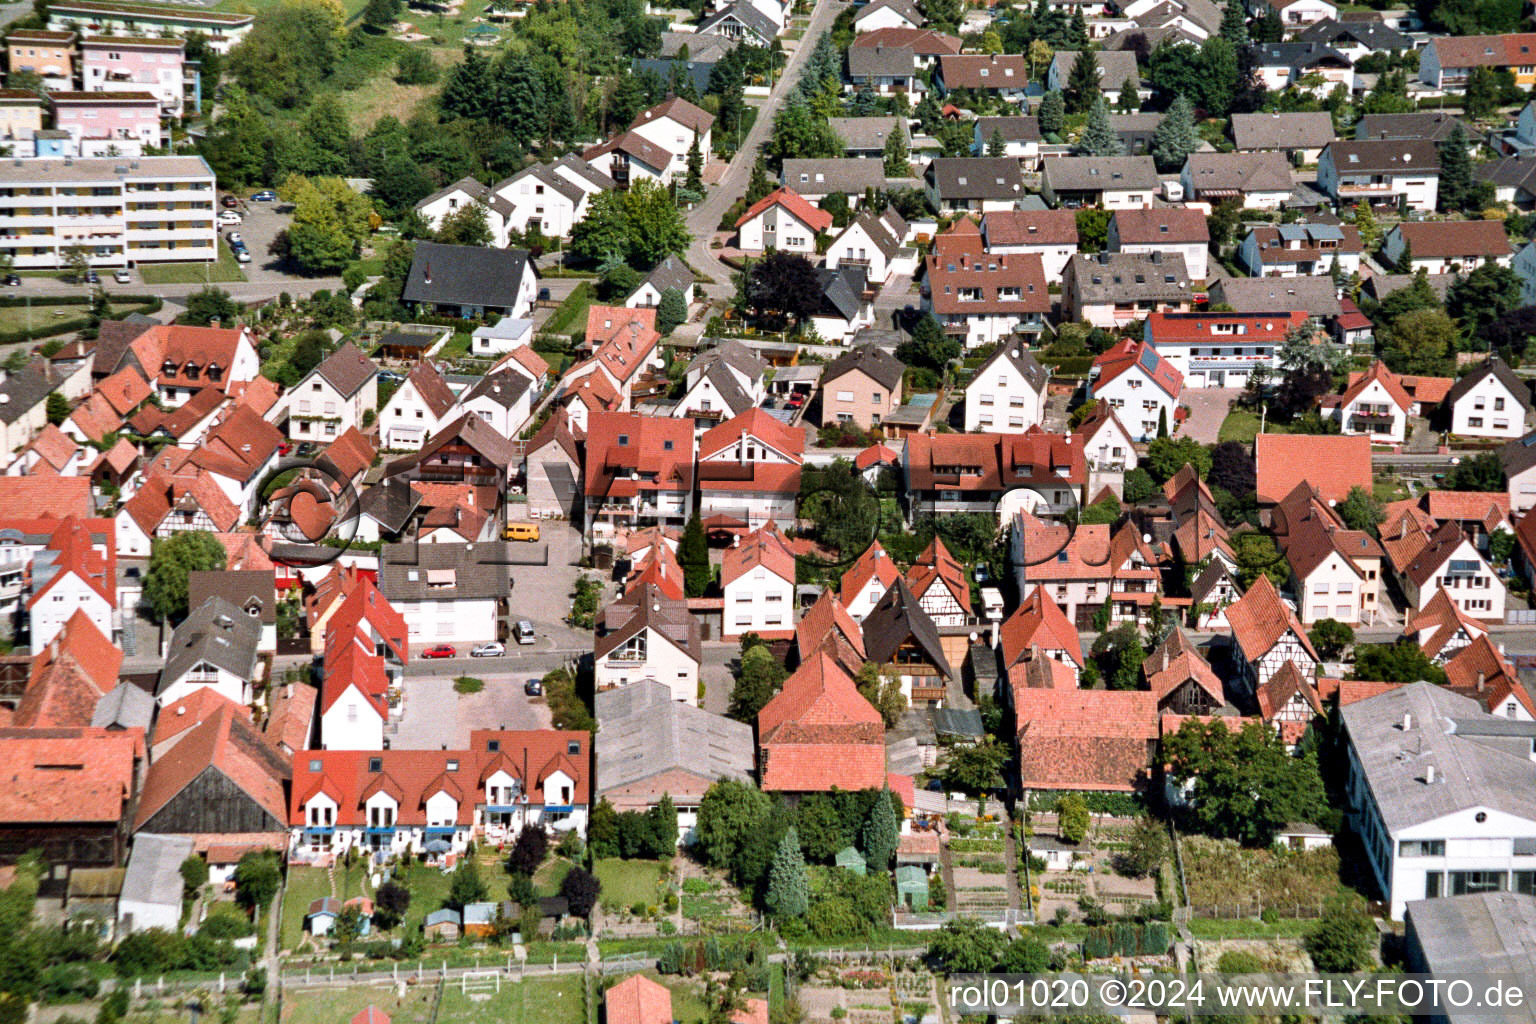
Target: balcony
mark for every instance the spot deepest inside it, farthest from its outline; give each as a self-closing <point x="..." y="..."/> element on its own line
<point x="1378" y="188"/>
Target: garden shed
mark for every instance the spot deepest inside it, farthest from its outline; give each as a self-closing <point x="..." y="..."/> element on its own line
<point x="850" y="858"/>
<point x="912" y="887"/>
<point x="442" y="925"/>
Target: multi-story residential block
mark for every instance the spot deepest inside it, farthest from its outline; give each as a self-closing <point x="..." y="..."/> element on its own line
<point x="983" y="298"/>
<point x="749" y="469"/>
<point x="1007" y="391"/>
<point x="1381" y="172"/>
<point x="1438" y="793"/>
<point x="152" y="209"/>
<point x="50" y="55"/>
<point x="135" y="64"/>
<point x="757" y="576"/>
<point x="447" y="593"/>
<point x="223" y="30"/>
<point x="389" y="802"/>
<point x="639" y="470"/>
<point x="109" y="123"/>
<point x="1220" y="350"/>
<point x="972" y="472"/>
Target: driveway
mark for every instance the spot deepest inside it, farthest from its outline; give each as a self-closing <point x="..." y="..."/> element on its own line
<point x="433" y="716"/>
<point x="1208" y="407"/>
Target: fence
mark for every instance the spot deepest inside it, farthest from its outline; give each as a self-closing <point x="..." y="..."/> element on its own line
<point x="1256" y="909"/>
<point x="1520" y="617"/>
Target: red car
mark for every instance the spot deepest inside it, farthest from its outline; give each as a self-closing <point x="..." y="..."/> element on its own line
<point x="284" y="448"/>
<point x="441" y="651"/>
<point x="795" y="401"/>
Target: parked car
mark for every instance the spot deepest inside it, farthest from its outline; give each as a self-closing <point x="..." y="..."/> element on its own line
<point x="91" y="277"/>
<point x="236" y="239"/>
<point x="391" y="376"/>
<point x="534" y="688"/>
<point x="13" y="280"/>
<point x="266" y="195"/>
<point x="229" y="218"/>
<point x="242" y="256"/>
<point x="795" y="401"/>
<point x="441" y="651"/>
<point x="307" y="448"/>
<point x="122" y="276"/>
<point x="489" y="649"/>
<point x="229" y="202"/>
<point x="524" y="633"/>
<point x="543" y="294"/>
<point x="285" y="447"/>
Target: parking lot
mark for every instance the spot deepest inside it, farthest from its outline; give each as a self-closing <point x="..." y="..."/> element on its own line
<point x="260" y="226"/>
<point x="434" y="716"/>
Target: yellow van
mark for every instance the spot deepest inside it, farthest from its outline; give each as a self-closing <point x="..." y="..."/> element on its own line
<point x="521" y="531"/>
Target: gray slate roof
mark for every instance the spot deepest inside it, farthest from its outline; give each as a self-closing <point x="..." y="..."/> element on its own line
<point x="22" y="392"/>
<point x="391" y="503"/>
<point x="1125" y="276"/>
<point x="879" y="61"/>
<point x="346" y="370"/>
<point x="1014" y="128"/>
<point x="1355" y="156"/>
<point x="125" y="706"/>
<point x="216" y="632"/>
<point x="1243" y="172"/>
<point x="733" y="354"/>
<point x="1434" y="125"/>
<point x="748" y="16"/>
<point x="1300" y="130"/>
<point x="246" y="589"/>
<point x="1096" y="174"/>
<point x="504" y="388"/>
<point x="1115" y="66"/>
<point x="648" y="608"/>
<point x="1297" y="55"/>
<point x="1492" y="366"/>
<point x="1449" y="732"/>
<point x="466" y="275"/>
<point x="545" y="174"/>
<point x="671" y="272"/>
<point x="1368" y="32"/>
<point x="1315" y="296"/>
<point x="476" y="190"/>
<point x="866" y="133"/>
<point x="976" y="177"/>
<point x="906" y="8"/>
<point x="154" y="869"/>
<point x="842" y="290"/>
<point x="643" y="732"/>
<point x="876" y="363"/>
<point x="411" y="572"/>
<point x="1485" y="932"/>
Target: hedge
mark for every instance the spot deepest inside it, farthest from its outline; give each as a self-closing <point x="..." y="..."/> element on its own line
<point x="147" y="304"/>
<point x="1068" y="365"/>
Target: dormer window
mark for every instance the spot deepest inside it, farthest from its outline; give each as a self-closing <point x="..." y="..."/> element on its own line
<point x="214" y="371"/>
<point x="375" y="764"/>
<point x="573" y="747"/>
<point x="168" y="367"/>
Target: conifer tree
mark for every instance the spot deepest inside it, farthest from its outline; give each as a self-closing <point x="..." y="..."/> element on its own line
<point x="1099" y="139"/>
<point x="879" y="834"/>
<point x="789" y="892"/>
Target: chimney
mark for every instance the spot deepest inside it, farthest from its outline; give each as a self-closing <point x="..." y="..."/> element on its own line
<point x="1407" y="721"/>
<point x="1429" y="774"/>
<point x="1482" y="681"/>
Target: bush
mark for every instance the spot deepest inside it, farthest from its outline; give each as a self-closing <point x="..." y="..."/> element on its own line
<point x="226" y="921"/>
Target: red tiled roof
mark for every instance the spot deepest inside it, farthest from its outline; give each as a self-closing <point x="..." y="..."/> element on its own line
<point x="1175" y="662"/>
<point x="1389" y="381"/>
<point x="876" y="454"/>
<point x="1484" y="51"/>
<point x="351" y="452"/>
<point x="54" y="447"/>
<point x="223" y="738"/>
<point x="530" y="757"/>
<point x="161" y="493"/>
<point x="1281" y="687"/>
<point x="125" y="391"/>
<point x="922" y="41"/>
<point x="874" y="563"/>
<point x="757" y="424"/>
<point x="30" y="497"/>
<point x="983" y="462"/>
<point x="1467" y="506"/>
<point x="660" y="569"/>
<point x="991" y="279"/>
<point x="69" y="677"/>
<point x="638" y="1000"/>
<point x="167" y="350"/>
<point x="984" y="71"/>
<point x="1038" y="622"/>
<point x="1162" y="328"/>
<point x="817" y="220"/>
<point x="658" y="449"/>
<point x="1127" y="355"/>
<point x="365" y="605"/>
<point x="1259" y="619"/>
<point x="1030" y="227"/>
<point x="1332" y="465"/>
<point x="1351" y="691"/>
<point x="1085" y="739"/>
<point x="1169" y="225"/>
<point x="818" y="732"/>
<point x="1449" y="239"/>
<point x="1437" y="548"/>
<point x="764" y="547"/>
<point x="827" y="621"/>
<point x="1438" y="621"/>
<point x="1481" y="672"/>
<point x="348" y="666"/>
<point x="292" y="715"/>
<point x="935" y="564"/>
<point x="59" y="776"/>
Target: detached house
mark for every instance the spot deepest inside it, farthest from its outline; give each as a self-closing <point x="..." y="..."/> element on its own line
<point x="1301" y="250"/>
<point x="1374" y="404"/>
<point x="757" y="576"/>
<point x="1445" y="560"/>
<point x="721" y="382"/>
<point x="1305" y="66"/>
<point x="973" y="184"/>
<point x="639" y="470"/>
<point x="1380" y="172"/>
<point x="1105" y="441"/>
<point x="1300" y="136"/>
<point x="1266" y="635"/>
<point x="865" y="582"/>
<point x="781" y="221"/>
<point x="1216" y="350"/>
<point x="749" y="469"/>
<point x="1113" y="182"/>
<point x="466" y="192"/>
<point x="1007" y="391"/>
<point x="447" y="592"/>
<point x="215" y="646"/>
<point x="646" y="635"/>
<point x="70" y="576"/>
<point x="335" y="396"/>
<point x="902" y="639"/>
<point x="874" y="243"/>
<point x="1140" y="385"/>
<point x="1490" y="401"/>
<point x="1262" y="181"/>
<point x="1168" y="229"/>
<point x="861" y="387"/>
<point x="1001" y="74"/>
<point x="1447" y="61"/>
<point x="1038" y="628"/>
<point x="1447" y="247"/>
<point x="678" y="127"/>
<point x="1335" y="572"/>
<point x="417" y="410"/>
<point x="471" y="280"/>
<point x="940" y="585"/>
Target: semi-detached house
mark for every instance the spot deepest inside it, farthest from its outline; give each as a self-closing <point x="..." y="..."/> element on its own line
<point x="448" y="593"/>
<point x="1114" y="182"/>
<point x="1447" y="61"/>
<point x="1140" y="385"/>
<point x="749" y="469"/>
<point x="1381" y="172"/>
<point x="1262" y="181"/>
<point x="334" y="398"/>
<point x="1168" y="229"/>
<point x="1447" y="247"/>
<point x="1049" y="234"/>
<point x="1109" y="290"/>
<point x="983" y="298"/>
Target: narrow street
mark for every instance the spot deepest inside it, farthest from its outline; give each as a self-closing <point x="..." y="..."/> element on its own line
<point x="705" y="218"/>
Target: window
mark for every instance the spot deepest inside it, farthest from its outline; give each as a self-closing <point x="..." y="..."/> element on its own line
<point x="1421" y="848"/>
<point x="1475" y="421"/>
<point x="1498" y="405"/>
<point x="1464" y="882"/>
<point x="375" y="764"/>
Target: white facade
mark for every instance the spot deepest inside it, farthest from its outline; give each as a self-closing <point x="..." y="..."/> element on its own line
<point x="407" y="421"/>
<point x="777" y="228"/>
<point x="854" y="245"/>
<point x="465" y="620"/>
<point x="1489" y="409"/>
<point x="758" y="601"/>
<point x="1466" y="579"/>
<point x="1420" y="190"/>
<point x="1054" y="257"/>
<point x="60" y="601"/>
<point x="678" y="138"/>
<point x="507" y="421"/>
<point x="1331" y="591"/>
<point x="650" y="655"/>
<point x="454" y="199"/>
<point x="534" y="200"/>
<point x="318" y="412"/>
<point x="999" y="398"/>
<point x="1139" y="403"/>
<point x="881" y="17"/>
<point x="352" y="723"/>
<point x="222" y="681"/>
<point x="1375" y="413"/>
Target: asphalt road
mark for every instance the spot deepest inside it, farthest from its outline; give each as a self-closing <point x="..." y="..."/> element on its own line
<point x="705" y="218"/>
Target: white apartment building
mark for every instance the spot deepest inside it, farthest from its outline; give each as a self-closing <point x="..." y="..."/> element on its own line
<point x="124" y="211"/>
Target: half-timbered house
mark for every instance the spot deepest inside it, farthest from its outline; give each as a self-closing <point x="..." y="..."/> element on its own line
<point x="1266" y="635"/>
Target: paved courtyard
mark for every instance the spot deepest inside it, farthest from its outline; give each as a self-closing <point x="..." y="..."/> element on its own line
<point x="433" y="716"/>
<point x="1207" y="408"/>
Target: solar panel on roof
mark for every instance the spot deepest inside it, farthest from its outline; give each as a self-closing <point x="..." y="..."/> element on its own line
<point x="1148" y="360"/>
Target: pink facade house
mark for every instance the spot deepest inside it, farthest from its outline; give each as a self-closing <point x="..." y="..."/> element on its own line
<point x="120" y="121"/>
<point x="135" y="64"/>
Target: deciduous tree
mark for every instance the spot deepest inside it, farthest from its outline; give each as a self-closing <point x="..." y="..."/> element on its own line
<point x="170" y="560"/>
<point x="1243" y="784"/>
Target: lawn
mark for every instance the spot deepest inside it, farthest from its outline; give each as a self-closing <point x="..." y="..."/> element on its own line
<point x="559" y="1000"/>
<point x="1247" y="928"/>
<point x="226" y="269"/>
<point x="305" y="885"/>
<point x="572" y="313"/>
<point x="628" y="882"/>
<point x="1389" y="488"/>
<point x="337" y="1005"/>
<point x="39" y="315"/>
<point x="428" y="886"/>
<point x="550" y="874"/>
<point x="1243" y="425"/>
